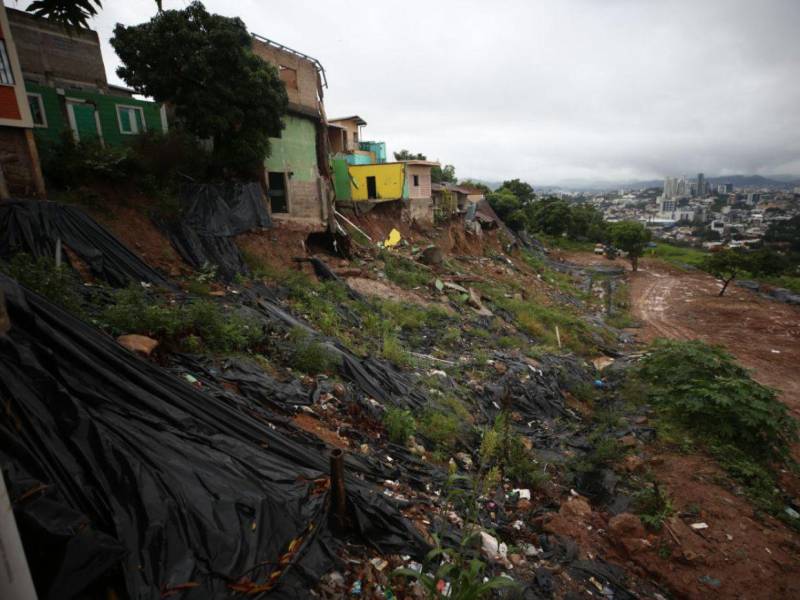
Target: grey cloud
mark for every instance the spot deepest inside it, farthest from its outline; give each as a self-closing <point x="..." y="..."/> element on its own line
<point x="551" y="90"/>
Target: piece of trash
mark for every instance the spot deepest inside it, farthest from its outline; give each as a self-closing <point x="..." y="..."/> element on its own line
<point x="393" y="239"/>
<point x="792" y="512"/>
<point x="698" y="526"/>
<point x="439" y="285"/>
<point x="524" y="494"/>
<point x="190" y="378"/>
<point x="492" y="548"/>
<point x="775" y="351"/>
<point x="415" y="566"/>
<point x="356" y="589"/>
<point x="379" y="563"/>
<point x="518" y="525"/>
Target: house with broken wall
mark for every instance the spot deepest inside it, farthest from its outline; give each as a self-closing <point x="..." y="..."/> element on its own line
<point x="67" y="89"/>
<point x="20" y="173"/>
<point x="297" y="171"/>
<point x="407" y="182"/>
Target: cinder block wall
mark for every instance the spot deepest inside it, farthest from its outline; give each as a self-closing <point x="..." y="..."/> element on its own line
<point x="306" y="93"/>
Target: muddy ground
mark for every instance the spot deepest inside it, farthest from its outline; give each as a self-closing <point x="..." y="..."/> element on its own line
<point x="742" y="554"/>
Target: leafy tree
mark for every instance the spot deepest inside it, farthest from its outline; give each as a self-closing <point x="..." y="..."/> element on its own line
<point x="203" y="65"/>
<point x="520" y="189"/>
<point x="484" y="189"/>
<point x="631" y="237"/>
<point x="517" y="220"/>
<point x="765" y="263"/>
<point x="786" y="232"/>
<point x="503" y="202"/>
<point x="445" y="174"/>
<point x="552" y="216"/>
<point x="725" y="265"/>
<point x="586" y="222"/>
<point x="70" y="13"/>
<point x="406" y="155"/>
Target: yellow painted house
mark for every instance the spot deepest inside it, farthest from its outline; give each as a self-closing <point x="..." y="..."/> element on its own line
<point x="390" y="181"/>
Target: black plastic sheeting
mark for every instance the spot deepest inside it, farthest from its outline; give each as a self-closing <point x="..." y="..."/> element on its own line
<point x="212" y="215"/>
<point x="34" y="227"/>
<point x="118" y="470"/>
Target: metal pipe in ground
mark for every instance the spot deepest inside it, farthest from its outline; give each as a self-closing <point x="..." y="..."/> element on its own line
<point x="338" y="493"/>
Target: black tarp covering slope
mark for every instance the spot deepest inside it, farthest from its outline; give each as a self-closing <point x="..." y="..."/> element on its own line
<point x="146" y="478"/>
<point x="34" y="227"/>
<point x="212" y="215"/>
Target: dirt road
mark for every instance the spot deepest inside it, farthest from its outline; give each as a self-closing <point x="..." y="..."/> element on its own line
<point x="763" y="334"/>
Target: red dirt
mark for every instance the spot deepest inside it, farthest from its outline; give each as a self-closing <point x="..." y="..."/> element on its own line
<point x="313" y="425"/>
<point x="761" y="558"/>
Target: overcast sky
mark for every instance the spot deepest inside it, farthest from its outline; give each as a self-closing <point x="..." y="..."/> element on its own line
<point x="549" y="91"/>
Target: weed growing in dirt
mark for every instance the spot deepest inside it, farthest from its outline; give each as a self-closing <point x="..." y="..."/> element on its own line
<point x="442" y="429"/>
<point x="708" y="393"/>
<point x="504" y="449"/>
<point x="310" y="356"/>
<point x="393" y="351"/>
<point x="57" y="284"/>
<point x="199" y="326"/>
<point x="400" y="424"/>
<point x="402" y="271"/>
<point x="704" y="397"/>
<point x="653" y="506"/>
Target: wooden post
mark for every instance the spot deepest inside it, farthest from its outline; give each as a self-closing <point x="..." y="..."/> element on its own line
<point x="4" y="193"/>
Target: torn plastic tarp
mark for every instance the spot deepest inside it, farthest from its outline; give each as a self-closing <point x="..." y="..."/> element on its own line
<point x="120" y="471"/>
<point x="34" y="227"/>
<point x="213" y="215"/>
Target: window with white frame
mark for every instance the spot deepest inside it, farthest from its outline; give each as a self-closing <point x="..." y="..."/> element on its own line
<point x="131" y="120"/>
<point x="6" y="76"/>
<point x="37" y="110"/>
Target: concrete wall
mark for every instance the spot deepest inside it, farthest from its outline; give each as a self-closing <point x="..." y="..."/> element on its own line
<point x="305" y="94"/>
<point x="419" y="210"/>
<point x="53" y="54"/>
<point x="423" y="173"/>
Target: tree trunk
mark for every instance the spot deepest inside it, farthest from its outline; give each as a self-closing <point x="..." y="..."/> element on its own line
<point x="635" y="263"/>
<point x="724" y="286"/>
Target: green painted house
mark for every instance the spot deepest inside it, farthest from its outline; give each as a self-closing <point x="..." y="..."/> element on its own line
<point x="90" y="115"/>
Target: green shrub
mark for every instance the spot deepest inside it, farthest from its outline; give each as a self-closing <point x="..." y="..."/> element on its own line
<point x="443" y="429"/>
<point x="504" y="449"/>
<point x="193" y="327"/>
<point x="57" y="284"/>
<point x="707" y="392"/>
<point x="68" y="164"/>
<point x="309" y="355"/>
<point x="400" y="425"/>
<point x="394" y="352"/>
<point x="653" y="506"/>
<point x="403" y="272"/>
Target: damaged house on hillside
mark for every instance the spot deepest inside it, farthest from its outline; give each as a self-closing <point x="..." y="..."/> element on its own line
<point x="67" y="89"/>
<point x="297" y="172"/>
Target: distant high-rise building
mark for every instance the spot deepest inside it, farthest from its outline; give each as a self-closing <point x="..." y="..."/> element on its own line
<point x="753" y="198"/>
<point x="701" y="185"/>
<point x="724" y="188"/>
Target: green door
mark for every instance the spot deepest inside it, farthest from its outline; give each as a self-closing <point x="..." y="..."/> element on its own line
<point x="83" y="122"/>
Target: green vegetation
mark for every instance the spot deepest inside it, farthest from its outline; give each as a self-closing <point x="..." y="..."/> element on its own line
<point x="203" y="65"/>
<point x="404" y="272"/>
<point x="400" y="424"/>
<point x="193" y="327"/>
<point x="443" y="429"/>
<point x="725" y="265"/>
<point x="630" y="237"/>
<point x="653" y="506"/>
<point x="703" y="397"/>
<point x="57" y="284"/>
<point x="456" y="565"/>
<point x="309" y="355"/>
<point x="504" y="449"/>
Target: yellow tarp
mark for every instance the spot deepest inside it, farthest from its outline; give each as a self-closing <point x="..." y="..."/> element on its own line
<point x="393" y="239"/>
